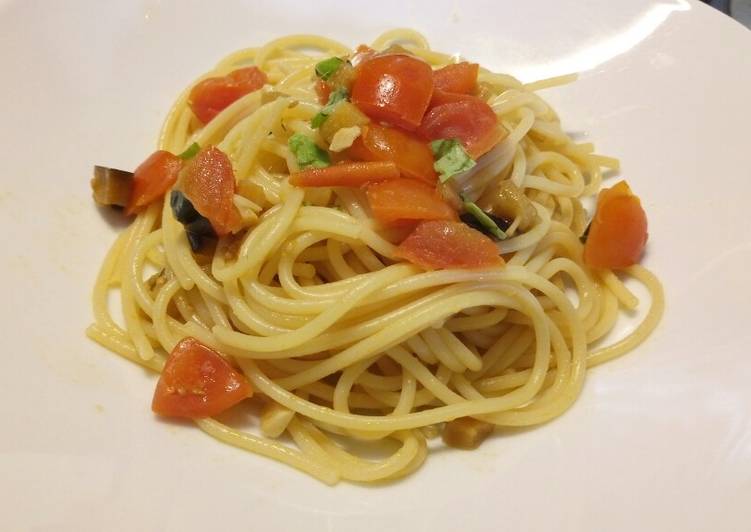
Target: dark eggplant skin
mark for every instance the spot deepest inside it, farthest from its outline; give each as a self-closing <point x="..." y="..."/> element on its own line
<point x="198" y="228"/>
<point x="111" y="187"/>
<point x="471" y="221"/>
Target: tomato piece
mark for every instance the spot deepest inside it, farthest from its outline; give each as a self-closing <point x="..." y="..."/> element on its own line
<point x="399" y="200"/>
<point x="323" y="90"/>
<point x="470" y="120"/>
<point x="454" y="83"/>
<point x="619" y="189"/>
<point x="442" y="244"/>
<point x="208" y="181"/>
<point x="393" y="88"/>
<point x="618" y="232"/>
<point x="458" y="78"/>
<point x="211" y="96"/>
<point x="152" y="179"/>
<point x="197" y="382"/>
<point x="440" y="97"/>
<point x="351" y="174"/>
<point x="362" y="53"/>
<point x="411" y="155"/>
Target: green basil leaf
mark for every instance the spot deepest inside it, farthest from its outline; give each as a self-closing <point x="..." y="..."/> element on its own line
<point x="334" y="98"/>
<point x="326" y="68"/>
<point x="307" y="152"/>
<point x="451" y="158"/>
<point x="483" y="219"/>
<point x="190" y="152"/>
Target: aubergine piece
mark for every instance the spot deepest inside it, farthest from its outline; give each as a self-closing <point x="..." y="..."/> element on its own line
<point x="111" y="187"/>
<point x="508" y="201"/>
<point x="198" y="228"/>
<point x="489" y="224"/>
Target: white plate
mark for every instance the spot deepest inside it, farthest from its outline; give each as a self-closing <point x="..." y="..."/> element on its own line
<point x="659" y="440"/>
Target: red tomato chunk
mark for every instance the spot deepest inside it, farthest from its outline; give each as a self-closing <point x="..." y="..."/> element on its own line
<point x="470" y="120"/>
<point x="349" y="174"/>
<point x="394" y="88"/>
<point x="436" y="245"/>
<point x="400" y="200"/>
<point x="618" y="232"/>
<point x="211" y="96"/>
<point x="152" y="179"/>
<point x="208" y="181"/>
<point x="411" y="155"/>
<point x="197" y="382"/>
<point x="458" y="78"/>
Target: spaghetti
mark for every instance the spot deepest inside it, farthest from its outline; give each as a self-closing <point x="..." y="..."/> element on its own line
<point x="340" y="339"/>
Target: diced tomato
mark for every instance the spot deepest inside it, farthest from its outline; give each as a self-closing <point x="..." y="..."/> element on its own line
<point x="197" y="382"/>
<point x="208" y="181"/>
<point x="454" y="83"/>
<point x="470" y="120"/>
<point x="440" y="97"/>
<point x="211" y="96"/>
<point x="362" y="53"/>
<point x="412" y="155"/>
<point x="323" y="90"/>
<point x="394" y="88"/>
<point x="436" y="245"/>
<point x="458" y="78"/>
<point x="152" y="179"/>
<point x="619" y="189"/>
<point x="350" y="174"/>
<point x="399" y="200"/>
<point x="618" y="232"/>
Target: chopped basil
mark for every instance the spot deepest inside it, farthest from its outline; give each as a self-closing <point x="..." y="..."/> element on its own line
<point x="198" y="229"/>
<point x="318" y="119"/>
<point x="307" y="152"/>
<point x="450" y="158"/>
<point x="334" y="98"/>
<point x="190" y="152"/>
<point x="326" y="68"/>
<point x="485" y="222"/>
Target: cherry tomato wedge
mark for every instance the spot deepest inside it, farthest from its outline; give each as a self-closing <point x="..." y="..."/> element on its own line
<point x="362" y="53"/>
<point x="152" y="179"/>
<point x="351" y="174"/>
<point x="197" y="382"/>
<point x="470" y="120"/>
<point x="458" y="78"/>
<point x="400" y="200"/>
<point x="442" y="244"/>
<point x="618" y="232"/>
<point x="440" y="97"/>
<point x="619" y="189"/>
<point x="208" y="181"/>
<point x="211" y="96"/>
<point x="411" y="155"/>
<point x="393" y="88"/>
